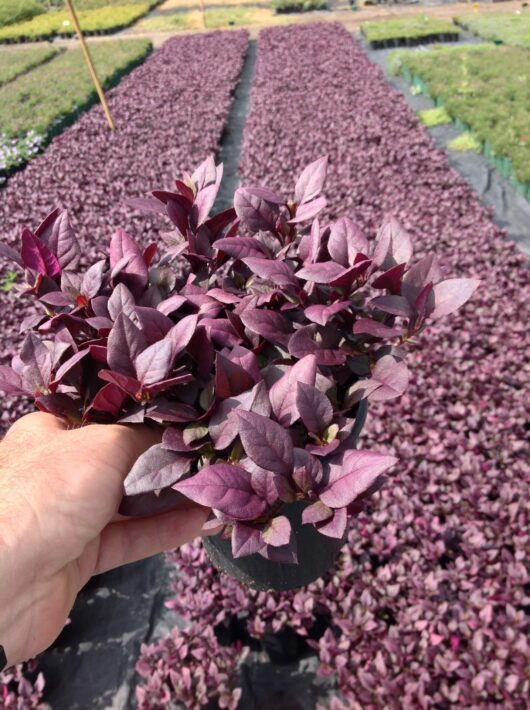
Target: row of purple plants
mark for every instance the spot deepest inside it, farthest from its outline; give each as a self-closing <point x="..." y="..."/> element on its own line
<point x="427" y="606"/>
<point x="169" y="114"/>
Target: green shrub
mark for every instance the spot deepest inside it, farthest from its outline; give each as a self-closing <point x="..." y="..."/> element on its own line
<point x="298" y="5"/>
<point x="58" y="22"/>
<point x="19" y="10"/>
<point x="53" y="94"/>
<point x="434" y="117"/>
<point x="465" y="142"/>
<point x="484" y="89"/>
<point x="506" y="27"/>
<point x="407" y="28"/>
<point x="18" y="60"/>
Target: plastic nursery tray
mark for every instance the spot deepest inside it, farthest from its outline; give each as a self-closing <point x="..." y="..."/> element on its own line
<point x="66" y="35"/>
<point x="414" y="41"/>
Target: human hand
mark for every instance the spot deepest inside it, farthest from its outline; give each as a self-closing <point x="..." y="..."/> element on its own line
<point x="59" y="495"/>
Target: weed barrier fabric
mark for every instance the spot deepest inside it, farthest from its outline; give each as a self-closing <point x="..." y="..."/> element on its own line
<point x="427" y="605"/>
<point x="168" y="120"/>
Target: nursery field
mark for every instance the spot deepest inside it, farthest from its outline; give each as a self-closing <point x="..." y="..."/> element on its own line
<point x="506" y="28"/>
<point x="409" y="30"/>
<point x="485" y="88"/>
<point x="14" y="62"/>
<point x="427" y="604"/>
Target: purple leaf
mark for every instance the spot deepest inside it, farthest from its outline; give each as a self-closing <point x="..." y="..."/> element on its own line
<point x="246" y="540"/>
<point x="129" y="385"/>
<point x="389" y="380"/>
<point x="11" y="382"/>
<point x="225" y="487"/>
<point x="154" y="324"/>
<point x="277" y="531"/>
<point x="321" y="314"/>
<point x="224" y="426"/>
<point x="109" y="399"/>
<point x="271" y="325"/>
<point x="336" y="527"/>
<point x="314" y="408"/>
<point x="255" y="212"/>
<point x="286" y="554"/>
<point x="316" y="513"/>
<point x="135" y="273"/>
<point x="221" y="332"/>
<point x="125" y="343"/>
<point x="308" y="210"/>
<point x="37" y="257"/>
<point x="349" y="478"/>
<point x="267" y="443"/>
<point x="63" y="243"/>
<point x="230" y="378"/>
<point x="310" y="183"/>
<point x="321" y="273"/>
<point x="121" y="300"/>
<point x="308" y="472"/>
<point x="391" y="279"/>
<point x="93" y="279"/>
<point x="153" y="364"/>
<point x="273" y="270"/>
<point x="302" y="344"/>
<point x="205" y="174"/>
<point x="7" y="252"/>
<point x="346" y="240"/>
<point x="156" y="468"/>
<point x="171" y="304"/>
<point x="283" y="393"/>
<point x="309" y="247"/>
<point x="450" y="294"/>
<point x="181" y="334"/>
<point x="395" y="305"/>
<point x="373" y="327"/>
<point x="393" y="245"/>
<point x="425" y="271"/>
<point x="240" y="247"/>
<point x="65" y="368"/>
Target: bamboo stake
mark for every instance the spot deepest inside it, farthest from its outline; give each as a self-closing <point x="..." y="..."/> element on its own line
<point x="203" y="14"/>
<point x="90" y="63"/>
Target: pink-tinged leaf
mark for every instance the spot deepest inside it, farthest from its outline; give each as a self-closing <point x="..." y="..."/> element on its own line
<point x="226" y="488"/>
<point x="271" y="325"/>
<point x="135" y="273"/>
<point x="223" y="296"/>
<point x="321" y="273"/>
<point x="37" y="257"/>
<point x="154" y="324"/>
<point x="37" y="363"/>
<point x="175" y="412"/>
<point x="156" y="468"/>
<point x="277" y="531"/>
<point x="56" y="299"/>
<point x="98" y="353"/>
<point x="451" y="294"/>
<point x="352" y="476"/>
<point x="286" y="554"/>
<point x="145" y="204"/>
<point x="169" y="383"/>
<point x="125" y="343"/>
<point x="223" y="424"/>
<point x="308" y="210"/>
<point x="67" y="366"/>
<point x="62" y="242"/>
<point x="308" y="472"/>
<point x="171" y="304"/>
<point x="424" y="300"/>
<point x="375" y="328"/>
<point x="205" y="198"/>
<point x="240" y="247"/>
<point x="279" y="272"/>
<point x="255" y="212"/>
<point x="129" y="385"/>
<point x="44" y="229"/>
<point x="11" y="382"/>
<point x="321" y="314"/>
<point x="173" y="440"/>
<point x="311" y="182"/>
<point x="267" y="443"/>
<point x="246" y="540"/>
<point x="336" y="527"/>
<point x="391" y="279"/>
<point x="109" y="399"/>
<point x="395" y="305"/>
<point x="7" y="252"/>
<point x="263" y="482"/>
<point x="393" y="245"/>
<point x="309" y="247"/>
<point x="247" y="360"/>
<point x="221" y="332"/>
<point x="230" y="378"/>
<point x="121" y="300"/>
<point x="390" y="379"/>
<point x="153" y="364"/>
<point x="425" y="271"/>
<point x="316" y="513"/>
<point x="60" y="405"/>
<point x="205" y="174"/>
<point x="302" y="344"/>
<point x="346" y="240"/>
<point x="181" y="334"/>
<point x="283" y="393"/>
<point x="348" y="276"/>
<point x="93" y="279"/>
<point x="314" y="408"/>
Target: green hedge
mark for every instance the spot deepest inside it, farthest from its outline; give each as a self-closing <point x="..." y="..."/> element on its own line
<point x="54" y="94"/>
<point x="19" y="10"/>
<point x="505" y="27"/>
<point x="486" y="90"/>
<point x="419" y="27"/>
<point x="58" y="22"/>
<point x="18" y="60"/>
<point x="280" y="6"/>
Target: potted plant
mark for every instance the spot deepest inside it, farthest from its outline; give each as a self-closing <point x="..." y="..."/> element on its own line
<point x="253" y="339"/>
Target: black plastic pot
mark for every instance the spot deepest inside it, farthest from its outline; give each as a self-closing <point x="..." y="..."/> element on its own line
<point x="316" y="553"/>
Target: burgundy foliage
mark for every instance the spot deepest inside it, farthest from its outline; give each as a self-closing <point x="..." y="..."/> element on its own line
<point x="429" y="600"/>
<point x="255" y="397"/>
<point x="21" y="688"/>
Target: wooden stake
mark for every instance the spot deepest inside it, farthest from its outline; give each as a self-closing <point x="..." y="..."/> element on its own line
<point x="203" y="14"/>
<point x="90" y="63"/>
